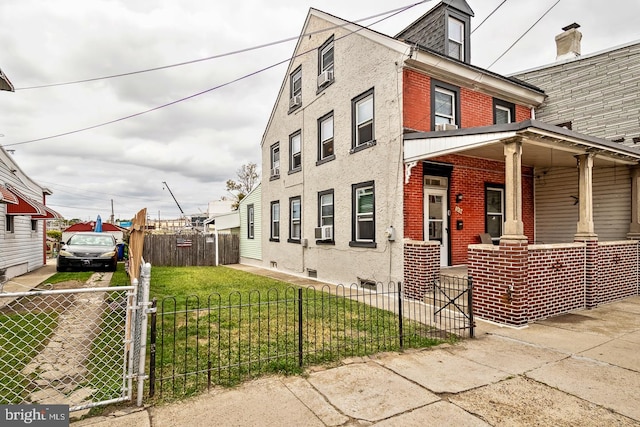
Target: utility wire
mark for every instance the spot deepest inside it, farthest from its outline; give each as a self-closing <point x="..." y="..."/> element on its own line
<point x="524" y="34"/>
<point x="246" y="76"/>
<point x="222" y="55"/>
<point x="488" y="16"/>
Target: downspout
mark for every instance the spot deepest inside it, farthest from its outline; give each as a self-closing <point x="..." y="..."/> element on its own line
<point x="533" y="113"/>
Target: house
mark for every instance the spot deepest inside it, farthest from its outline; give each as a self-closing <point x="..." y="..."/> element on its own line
<point x="118" y="232"/>
<point x="251" y="226"/>
<point x="23" y="214"/>
<point x="388" y="158"/>
<point x="5" y="83"/>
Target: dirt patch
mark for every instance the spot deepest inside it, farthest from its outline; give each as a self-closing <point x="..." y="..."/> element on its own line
<point x="40" y="303"/>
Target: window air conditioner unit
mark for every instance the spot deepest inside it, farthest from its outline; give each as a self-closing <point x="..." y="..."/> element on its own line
<point x="325" y="77"/>
<point x="295" y="101"/>
<point x="446" y="126"/>
<point x="275" y="172"/>
<point x="324" y="233"/>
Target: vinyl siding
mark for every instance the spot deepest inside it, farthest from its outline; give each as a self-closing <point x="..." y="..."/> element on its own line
<point x="251" y="248"/>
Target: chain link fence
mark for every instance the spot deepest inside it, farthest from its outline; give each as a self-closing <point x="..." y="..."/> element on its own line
<point x="67" y="346"/>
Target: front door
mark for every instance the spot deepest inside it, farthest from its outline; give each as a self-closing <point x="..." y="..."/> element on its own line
<point x="436" y="220"/>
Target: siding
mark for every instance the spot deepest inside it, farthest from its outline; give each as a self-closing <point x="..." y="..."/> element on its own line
<point x="557" y="215"/>
<point x="251" y="248"/>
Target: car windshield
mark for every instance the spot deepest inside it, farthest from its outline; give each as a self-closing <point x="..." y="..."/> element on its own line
<point x="91" y="240"/>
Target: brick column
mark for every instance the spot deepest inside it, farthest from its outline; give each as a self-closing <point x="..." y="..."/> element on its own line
<point x="513" y="260"/>
<point x="421" y="267"/>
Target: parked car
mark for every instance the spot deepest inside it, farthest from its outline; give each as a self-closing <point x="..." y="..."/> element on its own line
<point x="88" y="251"/>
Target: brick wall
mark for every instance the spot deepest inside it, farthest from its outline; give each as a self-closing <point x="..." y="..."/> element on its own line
<point x="617" y="273"/>
<point x="556" y="280"/>
<point x="421" y="267"/>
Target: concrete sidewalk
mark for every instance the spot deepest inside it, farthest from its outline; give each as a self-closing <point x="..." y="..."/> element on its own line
<point x="27" y="281"/>
<point x="578" y="369"/>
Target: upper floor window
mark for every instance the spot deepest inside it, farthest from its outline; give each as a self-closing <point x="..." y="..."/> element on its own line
<point x="295" y="150"/>
<point x="250" y="221"/>
<point x="275" y="221"/>
<point x="445" y="104"/>
<point x="362" y="112"/>
<point x="325" y="63"/>
<point x="295" y="84"/>
<point x="455" y="31"/>
<point x="295" y="215"/>
<point x="363" y="215"/>
<point x="325" y="137"/>
<point x="503" y="112"/>
<point x="275" y="160"/>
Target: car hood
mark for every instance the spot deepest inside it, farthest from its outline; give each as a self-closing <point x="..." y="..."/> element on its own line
<point x="88" y="249"/>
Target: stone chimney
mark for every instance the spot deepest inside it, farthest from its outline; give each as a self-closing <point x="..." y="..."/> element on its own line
<point x="568" y="42"/>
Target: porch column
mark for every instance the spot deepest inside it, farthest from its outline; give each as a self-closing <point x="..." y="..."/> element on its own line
<point x="634" y="227"/>
<point x="513" y="225"/>
<point x="585" y="229"/>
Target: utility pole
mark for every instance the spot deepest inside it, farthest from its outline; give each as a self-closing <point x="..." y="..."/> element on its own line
<point x="113" y="221"/>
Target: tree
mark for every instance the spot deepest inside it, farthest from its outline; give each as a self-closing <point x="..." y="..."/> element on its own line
<point x="247" y="180"/>
<point x="55" y="234"/>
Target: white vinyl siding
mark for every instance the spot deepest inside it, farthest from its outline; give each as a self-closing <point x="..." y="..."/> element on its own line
<point x="556" y="193"/>
<point x="251" y="248"/>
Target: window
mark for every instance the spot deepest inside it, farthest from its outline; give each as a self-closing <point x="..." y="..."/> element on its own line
<point x="325" y="64"/>
<point x="34" y="225"/>
<point x="295" y="215"/>
<point x="275" y="221"/>
<point x="455" y="30"/>
<point x="494" y="211"/>
<point x="250" y="221"/>
<point x="325" y="137"/>
<point x="445" y="106"/>
<point x="9" y="223"/>
<point x="275" y="160"/>
<point x="503" y="112"/>
<point x="295" y="147"/>
<point x="325" y="210"/>
<point x="362" y="112"/>
<point x="295" y="85"/>
<point x="363" y="230"/>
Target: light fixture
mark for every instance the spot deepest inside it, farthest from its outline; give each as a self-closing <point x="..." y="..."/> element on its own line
<point x="458" y="197"/>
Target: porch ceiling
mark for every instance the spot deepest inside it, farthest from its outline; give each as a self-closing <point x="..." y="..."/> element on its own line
<point x="543" y="145"/>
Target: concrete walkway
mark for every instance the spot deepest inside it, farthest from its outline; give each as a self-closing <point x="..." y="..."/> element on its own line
<point x="581" y="369"/>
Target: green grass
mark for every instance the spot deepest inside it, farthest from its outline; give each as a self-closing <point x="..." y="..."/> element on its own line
<point x="225" y="323"/>
<point x="81" y="276"/>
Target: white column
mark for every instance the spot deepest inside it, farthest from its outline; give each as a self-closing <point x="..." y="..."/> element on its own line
<point x="585" y="227"/>
<point x="513" y="225"/>
<point x="634" y="227"/>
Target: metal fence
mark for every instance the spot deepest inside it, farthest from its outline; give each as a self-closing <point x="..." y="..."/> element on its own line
<point x="197" y="343"/>
<point x="66" y="346"/>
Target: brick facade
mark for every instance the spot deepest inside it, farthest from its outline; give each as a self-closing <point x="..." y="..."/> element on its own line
<point x="618" y="269"/>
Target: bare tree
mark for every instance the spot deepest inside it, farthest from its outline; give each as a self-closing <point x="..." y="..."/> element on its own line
<point x="247" y="180"/>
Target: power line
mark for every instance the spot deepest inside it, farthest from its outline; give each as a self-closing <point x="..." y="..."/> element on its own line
<point x="524" y="34"/>
<point x="246" y="76"/>
<point x="488" y="16"/>
<point x="222" y="55"/>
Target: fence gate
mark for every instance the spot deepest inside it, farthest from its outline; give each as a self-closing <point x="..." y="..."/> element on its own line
<point x="69" y="346"/>
<point x="453" y="302"/>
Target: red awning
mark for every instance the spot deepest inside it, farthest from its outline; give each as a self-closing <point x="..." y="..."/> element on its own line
<point x="31" y="207"/>
<point x="7" y="196"/>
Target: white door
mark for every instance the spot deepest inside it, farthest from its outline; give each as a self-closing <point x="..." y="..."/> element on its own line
<point x="436" y="220"/>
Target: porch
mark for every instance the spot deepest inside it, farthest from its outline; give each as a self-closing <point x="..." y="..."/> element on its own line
<point x="520" y="279"/>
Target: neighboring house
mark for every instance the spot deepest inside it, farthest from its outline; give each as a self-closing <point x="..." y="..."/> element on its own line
<point x="225" y="223"/>
<point x="23" y="216"/>
<point x="5" y="83"/>
<point x="251" y="226"/>
<point x="387" y="158"/>
<point x="118" y="232"/>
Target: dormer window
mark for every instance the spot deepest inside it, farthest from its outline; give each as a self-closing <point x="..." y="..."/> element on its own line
<point x="456" y="38"/>
<point x="295" y="99"/>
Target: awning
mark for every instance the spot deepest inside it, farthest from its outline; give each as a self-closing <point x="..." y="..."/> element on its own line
<point x="7" y="196"/>
<point x="31" y="207"/>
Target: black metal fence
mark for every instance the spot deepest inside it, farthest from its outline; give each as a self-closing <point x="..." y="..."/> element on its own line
<point x="222" y="340"/>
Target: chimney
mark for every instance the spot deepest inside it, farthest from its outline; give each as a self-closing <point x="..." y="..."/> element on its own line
<point x="568" y="42"/>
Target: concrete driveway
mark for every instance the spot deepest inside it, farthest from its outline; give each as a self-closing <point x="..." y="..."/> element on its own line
<point x="580" y="369"/>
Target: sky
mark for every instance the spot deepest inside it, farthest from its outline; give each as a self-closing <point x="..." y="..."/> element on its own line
<point x="202" y="121"/>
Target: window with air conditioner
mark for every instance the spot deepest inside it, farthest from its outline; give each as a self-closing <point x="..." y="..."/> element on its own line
<point x="295" y="84"/>
<point x="445" y="106"/>
<point x="295" y="220"/>
<point x="325" y="63"/>
<point x="275" y="221"/>
<point x="275" y="160"/>
<point x="325" y="138"/>
<point x="363" y="215"/>
<point x="295" y="152"/>
<point x="324" y="231"/>
<point x="362" y="112"/>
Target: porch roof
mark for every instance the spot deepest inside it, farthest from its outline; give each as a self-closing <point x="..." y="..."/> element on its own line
<point x="544" y="145"/>
<point x="29" y="206"/>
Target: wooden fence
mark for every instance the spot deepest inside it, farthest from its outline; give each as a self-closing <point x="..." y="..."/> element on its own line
<point x="180" y="250"/>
